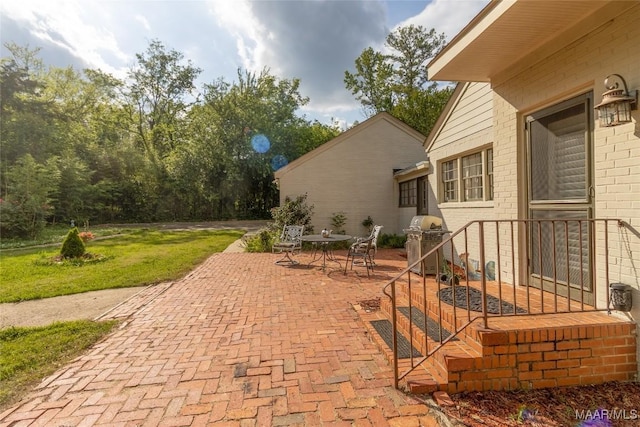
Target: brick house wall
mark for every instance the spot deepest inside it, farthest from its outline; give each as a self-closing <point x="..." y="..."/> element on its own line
<point x="575" y="69"/>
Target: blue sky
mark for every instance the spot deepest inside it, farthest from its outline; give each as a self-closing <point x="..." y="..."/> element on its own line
<point x="313" y="40"/>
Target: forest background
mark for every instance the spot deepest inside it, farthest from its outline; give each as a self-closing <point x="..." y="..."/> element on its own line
<point x="86" y="147"/>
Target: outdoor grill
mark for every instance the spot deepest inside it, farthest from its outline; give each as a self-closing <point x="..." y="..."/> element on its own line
<point x="424" y="233"/>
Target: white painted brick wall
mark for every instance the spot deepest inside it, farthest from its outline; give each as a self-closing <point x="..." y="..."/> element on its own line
<point x="576" y="69"/>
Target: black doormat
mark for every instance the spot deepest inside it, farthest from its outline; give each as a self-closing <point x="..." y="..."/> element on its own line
<point x="432" y="328"/>
<point x="475" y="297"/>
<point x="384" y="329"/>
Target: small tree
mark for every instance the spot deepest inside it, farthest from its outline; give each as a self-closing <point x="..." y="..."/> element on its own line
<point x="293" y="212"/>
<point x="338" y="220"/>
<point x="73" y="246"/>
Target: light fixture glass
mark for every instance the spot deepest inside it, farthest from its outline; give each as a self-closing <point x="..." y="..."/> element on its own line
<point x="616" y="104"/>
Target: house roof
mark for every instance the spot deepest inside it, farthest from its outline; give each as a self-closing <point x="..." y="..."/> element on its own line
<point x="508" y="34"/>
<point x="419" y="169"/>
<point x="346" y="135"/>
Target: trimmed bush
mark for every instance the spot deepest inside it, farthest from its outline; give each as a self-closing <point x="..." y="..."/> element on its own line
<point x="262" y="241"/>
<point x="391" y="241"/>
<point x="73" y="246"/>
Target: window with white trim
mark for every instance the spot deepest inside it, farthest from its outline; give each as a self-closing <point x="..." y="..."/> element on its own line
<point x="450" y="180"/>
<point x="472" y="177"/>
<point x="467" y="178"/>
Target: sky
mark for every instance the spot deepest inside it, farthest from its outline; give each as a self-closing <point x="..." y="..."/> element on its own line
<point x="315" y="41"/>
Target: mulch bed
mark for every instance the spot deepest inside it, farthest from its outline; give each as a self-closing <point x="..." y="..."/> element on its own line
<point x="613" y="404"/>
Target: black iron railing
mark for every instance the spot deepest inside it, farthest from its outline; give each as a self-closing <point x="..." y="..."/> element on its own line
<point x="520" y="267"/>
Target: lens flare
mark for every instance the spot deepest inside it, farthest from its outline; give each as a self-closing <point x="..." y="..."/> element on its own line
<point x="260" y="143"/>
<point x="279" y="161"/>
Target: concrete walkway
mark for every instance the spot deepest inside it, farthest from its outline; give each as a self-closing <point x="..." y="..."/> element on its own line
<point x="237" y="342"/>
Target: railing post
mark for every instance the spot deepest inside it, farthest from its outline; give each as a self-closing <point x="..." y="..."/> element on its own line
<point x="394" y="331"/>
<point x="485" y="316"/>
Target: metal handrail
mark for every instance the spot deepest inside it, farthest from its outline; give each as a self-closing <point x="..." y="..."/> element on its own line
<point x="525" y="226"/>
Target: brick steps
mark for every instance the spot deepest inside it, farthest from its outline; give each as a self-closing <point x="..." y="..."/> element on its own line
<point x="536" y="351"/>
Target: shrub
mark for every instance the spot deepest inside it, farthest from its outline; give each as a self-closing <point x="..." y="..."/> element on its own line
<point x="73" y="246"/>
<point x="262" y="241"/>
<point x="338" y="220"/>
<point x="368" y="224"/>
<point x="391" y="241"/>
<point x="293" y="212"/>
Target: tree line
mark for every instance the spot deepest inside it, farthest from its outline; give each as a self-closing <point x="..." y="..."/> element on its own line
<point x="89" y="147"/>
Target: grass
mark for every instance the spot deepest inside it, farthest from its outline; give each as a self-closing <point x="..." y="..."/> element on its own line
<point x="30" y="354"/>
<point x="141" y="257"/>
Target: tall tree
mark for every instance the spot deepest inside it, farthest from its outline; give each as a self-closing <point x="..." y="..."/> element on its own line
<point x="397" y="82"/>
<point x="27" y="198"/>
<point x="234" y="116"/>
<point x="27" y="120"/>
<point x="411" y="49"/>
<point x="371" y="83"/>
<point x="161" y="92"/>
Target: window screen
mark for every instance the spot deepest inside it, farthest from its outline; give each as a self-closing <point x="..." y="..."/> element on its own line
<point x="558" y="156"/>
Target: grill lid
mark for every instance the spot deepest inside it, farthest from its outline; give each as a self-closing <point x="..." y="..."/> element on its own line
<point x="425" y="223"/>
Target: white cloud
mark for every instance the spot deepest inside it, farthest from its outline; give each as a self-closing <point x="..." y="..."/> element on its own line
<point x="69" y="26"/>
<point x="315" y="41"/>
<point x="238" y="19"/>
<point x="145" y="23"/>
<point x="447" y="16"/>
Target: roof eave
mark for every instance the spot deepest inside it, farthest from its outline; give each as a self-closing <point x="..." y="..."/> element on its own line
<point x="509" y="33"/>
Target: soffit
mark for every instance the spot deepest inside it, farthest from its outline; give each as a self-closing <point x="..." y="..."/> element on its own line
<point x="508" y="31"/>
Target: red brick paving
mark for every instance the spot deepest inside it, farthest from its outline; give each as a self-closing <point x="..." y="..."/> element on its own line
<point x="238" y="342"/>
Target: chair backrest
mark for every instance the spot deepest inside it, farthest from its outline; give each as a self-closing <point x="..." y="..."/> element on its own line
<point x="292" y="233"/>
<point x="375" y="232"/>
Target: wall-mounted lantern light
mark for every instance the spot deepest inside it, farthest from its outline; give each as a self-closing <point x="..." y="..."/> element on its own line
<point x="617" y="103"/>
<point x="620" y="297"/>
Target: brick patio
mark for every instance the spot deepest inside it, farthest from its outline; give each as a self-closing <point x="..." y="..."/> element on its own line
<point x="239" y="342"/>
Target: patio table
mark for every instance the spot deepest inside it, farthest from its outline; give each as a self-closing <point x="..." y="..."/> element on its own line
<point x="326" y="243"/>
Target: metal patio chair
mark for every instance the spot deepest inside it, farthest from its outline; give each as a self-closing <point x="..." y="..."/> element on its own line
<point x="360" y="254"/>
<point x="375" y="232"/>
<point x="289" y="244"/>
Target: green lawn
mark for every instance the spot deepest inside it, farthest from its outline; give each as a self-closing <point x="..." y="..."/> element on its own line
<point x="140" y="258"/>
<point x="31" y="354"/>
